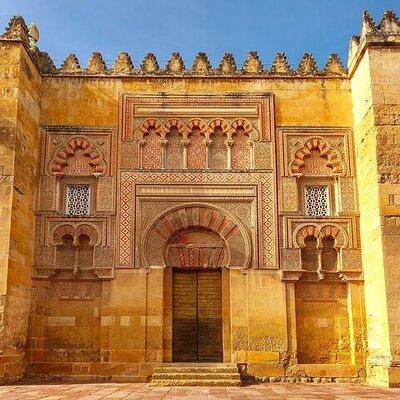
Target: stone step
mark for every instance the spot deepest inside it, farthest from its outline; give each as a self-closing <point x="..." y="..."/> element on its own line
<point x="169" y="369"/>
<point x="196" y="375"/>
<point x="196" y="382"/>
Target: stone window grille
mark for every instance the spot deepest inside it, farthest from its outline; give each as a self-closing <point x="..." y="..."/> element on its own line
<point x="317" y="201"/>
<point x="78" y="200"/>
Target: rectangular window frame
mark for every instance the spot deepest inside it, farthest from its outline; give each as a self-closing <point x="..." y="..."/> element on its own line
<point x="67" y="190"/>
<point x="306" y="199"/>
<point x="63" y="185"/>
<point x="312" y="182"/>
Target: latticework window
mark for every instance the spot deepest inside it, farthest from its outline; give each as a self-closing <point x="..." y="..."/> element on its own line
<point x="317" y="201"/>
<point x="78" y="200"/>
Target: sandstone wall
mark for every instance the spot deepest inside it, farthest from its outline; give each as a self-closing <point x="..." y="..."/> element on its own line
<point x="20" y="85"/>
<point x="376" y="100"/>
<point x="119" y="324"/>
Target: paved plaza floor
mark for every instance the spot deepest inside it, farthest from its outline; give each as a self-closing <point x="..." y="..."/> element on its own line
<point x="138" y="391"/>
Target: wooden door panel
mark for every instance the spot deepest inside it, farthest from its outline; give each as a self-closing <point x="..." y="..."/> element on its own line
<point x="209" y="316"/>
<point x="184" y="319"/>
<point x="197" y="316"/>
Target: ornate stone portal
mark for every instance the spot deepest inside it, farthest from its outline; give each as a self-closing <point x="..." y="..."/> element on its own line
<point x="197" y="185"/>
<point x="216" y="208"/>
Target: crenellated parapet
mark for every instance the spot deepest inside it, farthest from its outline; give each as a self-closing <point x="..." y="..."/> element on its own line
<point x="201" y="66"/>
<point x="385" y="32"/>
<point x="252" y="67"/>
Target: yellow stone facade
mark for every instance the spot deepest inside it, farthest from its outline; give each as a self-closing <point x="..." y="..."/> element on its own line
<point x="282" y="182"/>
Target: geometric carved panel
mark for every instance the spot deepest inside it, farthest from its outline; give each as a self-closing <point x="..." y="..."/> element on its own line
<point x="315" y="151"/>
<point x="259" y="109"/>
<point x="266" y="224"/>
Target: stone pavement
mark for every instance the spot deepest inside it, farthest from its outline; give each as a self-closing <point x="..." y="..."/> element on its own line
<point x="138" y="391"/>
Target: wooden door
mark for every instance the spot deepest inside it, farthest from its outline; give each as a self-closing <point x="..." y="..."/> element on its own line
<point x="197" y="316"/>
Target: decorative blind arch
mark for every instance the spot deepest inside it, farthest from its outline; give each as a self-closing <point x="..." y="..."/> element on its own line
<point x="92" y="160"/>
<point x="320" y="232"/>
<point x="156" y="237"/>
<point x="325" y="151"/>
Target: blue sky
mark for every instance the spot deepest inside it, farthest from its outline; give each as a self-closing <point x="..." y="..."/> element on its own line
<point x="189" y="26"/>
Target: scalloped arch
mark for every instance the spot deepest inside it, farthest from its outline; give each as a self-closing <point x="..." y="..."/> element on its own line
<point x="149" y="124"/>
<point x="196" y="123"/>
<point x="95" y="158"/>
<point x="218" y="123"/>
<point x="303" y="232"/>
<point x="174" y="123"/>
<point x="241" y="123"/>
<point x="211" y="217"/>
<point x="325" y="151"/>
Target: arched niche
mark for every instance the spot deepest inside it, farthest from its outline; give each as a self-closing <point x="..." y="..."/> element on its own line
<point x="196" y="247"/>
<point x="316" y="157"/>
<point x="78" y="156"/>
<point x="196" y="221"/>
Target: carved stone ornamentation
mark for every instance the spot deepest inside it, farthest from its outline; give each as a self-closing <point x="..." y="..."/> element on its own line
<point x="266" y="252"/>
<point x="17" y="30"/>
<point x="150" y="64"/>
<point x="307" y="65"/>
<point x="291" y="260"/>
<point x="175" y="64"/>
<point x="197" y="218"/>
<point x="123" y="64"/>
<point x="96" y="64"/>
<point x="45" y="63"/>
<point x="389" y="24"/>
<point x="71" y="64"/>
<point x="201" y="64"/>
<point x="181" y="170"/>
<point x="227" y="65"/>
<point x="351" y="259"/>
<point x="93" y="161"/>
<point x="281" y="65"/>
<point x="72" y="254"/>
<point x="320" y="231"/>
<point x="334" y="66"/>
<point x="323" y="152"/>
<point x="289" y="194"/>
<point x="253" y="64"/>
<point x="76" y="291"/>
